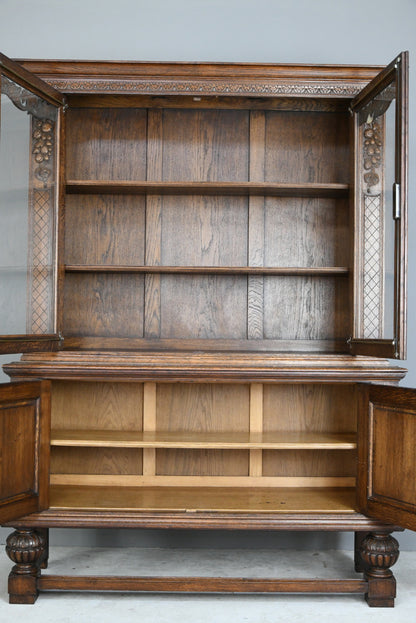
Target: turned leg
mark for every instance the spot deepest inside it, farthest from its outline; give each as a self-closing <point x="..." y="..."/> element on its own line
<point x="26" y="548"/>
<point x="380" y="551"/>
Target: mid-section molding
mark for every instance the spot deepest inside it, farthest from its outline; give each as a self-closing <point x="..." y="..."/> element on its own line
<point x="204" y="366"/>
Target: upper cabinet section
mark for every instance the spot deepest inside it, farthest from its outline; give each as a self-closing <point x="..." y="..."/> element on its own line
<point x="208" y="207"/>
<point x="28" y="210"/>
<point x="380" y="126"/>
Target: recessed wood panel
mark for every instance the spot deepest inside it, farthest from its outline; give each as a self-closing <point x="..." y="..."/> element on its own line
<point x="307" y="147"/>
<point x="106" y="144"/>
<point x="203" y="307"/>
<point x="204" y="231"/>
<point x="309" y="463"/>
<point x="97" y="406"/>
<point x="96" y="461"/>
<point x="306" y="308"/>
<point x="202" y="463"/>
<point x="310" y="408"/>
<point x="306" y="232"/>
<point x="202" y="407"/>
<point x="205" y="145"/>
<point x="393" y="456"/>
<point x="104" y="229"/>
<point x="103" y="305"/>
<point x="17" y="449"/>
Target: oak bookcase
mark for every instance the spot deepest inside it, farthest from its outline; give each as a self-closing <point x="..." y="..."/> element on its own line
<point x="205" y="266"/>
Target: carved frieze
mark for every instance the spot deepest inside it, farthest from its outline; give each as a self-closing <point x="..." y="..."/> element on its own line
<point x="206" y="87"/>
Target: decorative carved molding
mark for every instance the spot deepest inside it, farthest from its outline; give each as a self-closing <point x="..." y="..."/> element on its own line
<point x="204" y="87"/>
<point x="372" y="155"/>
<point x="43" y="135"/>
<point x="25" y="100"/>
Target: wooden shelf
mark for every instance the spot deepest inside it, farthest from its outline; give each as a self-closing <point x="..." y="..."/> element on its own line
<point x="206" y="188"/>
<point x="221" y="441"/>
<point x="217" y="270"/>
<point x="214" y="499"/>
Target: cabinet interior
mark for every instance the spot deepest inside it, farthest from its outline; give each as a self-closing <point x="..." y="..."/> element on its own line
<point x="190" y="226"/>
<point x="234" y="444"/>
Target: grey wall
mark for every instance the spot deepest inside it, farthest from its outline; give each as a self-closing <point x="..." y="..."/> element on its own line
<point x="301" y="31"/>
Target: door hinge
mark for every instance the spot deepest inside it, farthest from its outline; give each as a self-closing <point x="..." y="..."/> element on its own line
<point x="396" y="201"/>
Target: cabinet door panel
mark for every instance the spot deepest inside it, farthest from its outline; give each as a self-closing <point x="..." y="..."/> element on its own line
<point x="387" y="454"/>
<point x="380" y="221"/>
<point x="29" y="160"/>
<point x="24" y="448"/>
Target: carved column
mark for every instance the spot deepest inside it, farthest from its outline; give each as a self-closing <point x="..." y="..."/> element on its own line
<point x="380" y="551"/>
<point x="26" y="548"/>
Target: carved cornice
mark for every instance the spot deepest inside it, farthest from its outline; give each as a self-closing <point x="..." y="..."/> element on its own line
<point x="254" y="88"/>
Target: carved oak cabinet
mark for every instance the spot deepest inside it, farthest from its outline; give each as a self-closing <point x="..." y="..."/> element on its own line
<point x="205" y="268"/>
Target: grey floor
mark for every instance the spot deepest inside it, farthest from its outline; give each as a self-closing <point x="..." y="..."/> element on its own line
<point x="150" y="608"/>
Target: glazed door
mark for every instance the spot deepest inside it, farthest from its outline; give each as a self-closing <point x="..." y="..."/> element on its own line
<point x="387" y="454"/>
<point x="24" y="448"/>
<point x="380" y="223"/>
<point x="31" y="121"/>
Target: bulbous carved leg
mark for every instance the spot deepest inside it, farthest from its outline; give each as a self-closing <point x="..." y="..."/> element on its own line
<point x="380" y="551"/>
<point x="26" y="548"/>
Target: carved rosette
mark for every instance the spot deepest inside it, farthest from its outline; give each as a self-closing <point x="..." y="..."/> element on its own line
<point x="372" y="156"/>
<point x="25" y="548"/>
<point x="379" y="551"/>
<point x="43" y="131"/>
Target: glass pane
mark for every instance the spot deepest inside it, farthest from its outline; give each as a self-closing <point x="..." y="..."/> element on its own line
<point x="27" y="211"/>
<point x="377" y="132"/>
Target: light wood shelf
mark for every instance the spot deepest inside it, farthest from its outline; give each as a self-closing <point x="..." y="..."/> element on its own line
<point x="220" y="441"/>
<point x="187" y="499"/>
<point x="206" y="188"/>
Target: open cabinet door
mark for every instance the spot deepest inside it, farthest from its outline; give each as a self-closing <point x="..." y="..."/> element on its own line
<point x="380" y="218"/>
<point x="31" y="125"/>
<point x="387" y="454"/>
<point x="24" y="448"/>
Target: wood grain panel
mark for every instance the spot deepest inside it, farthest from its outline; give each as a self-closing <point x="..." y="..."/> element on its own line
<point x="323" y="463"/>
<point x="306" y="232"/>
<point x="205" y="145"/>
<point x="96" y="461"/>
<point x="106" y="305"/>
<point x="393" y="456"/>
<point x="202" y="462"/>
<point x="153" y="230"/>
<point x="310" y="308"/>
<point x="256" y="230"/>
<point x="310" y="408"/>
<point x="106" y="144"/>
<point x="203" y="307"/>
<point x="202" y="408"/>
<point x="97" y="406"/>
<point x="17" y="449"/>
<point x="312" y="147"/>
<point x="104" y="229"/>
<point x="215" y="230"/>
